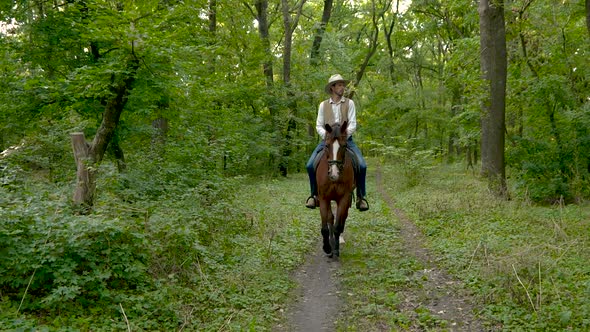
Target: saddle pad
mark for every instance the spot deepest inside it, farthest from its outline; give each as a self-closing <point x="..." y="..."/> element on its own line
<point x="317" y="159"/>
<point x="355" y="160"/>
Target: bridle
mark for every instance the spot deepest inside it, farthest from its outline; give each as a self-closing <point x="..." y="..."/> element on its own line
<point x="336" y="134"/>
<point x="338" y="163"/>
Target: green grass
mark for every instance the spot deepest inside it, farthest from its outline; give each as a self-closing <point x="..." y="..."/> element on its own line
<point x="374" y="271"/>
<point x="526" y="264"/>
<point x="220" y="257"/>
<point x="378" y="273"/>
<point x="188" y="262"/>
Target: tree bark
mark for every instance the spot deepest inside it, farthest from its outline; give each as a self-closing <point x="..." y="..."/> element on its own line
<point x="494" y="70"/>
<point x="374" y="43"/>
<point x="89" y="156"/>
<point x="455" y="106"/>
<point x="319" y="33"/>
<point x="111" y="115"/>
<point x="288" y="42"/>
<point x="85" y="173"/>
<point x="263" y="30"/>
<point x="523" y="41"/>
<point x="289" y="24"/>
<point x="388" y="30"/>
<point x="160" y="127"/>
<point x="468" y="154"/>
<point x="118" y="153"/>
<point x="212" y="15"/>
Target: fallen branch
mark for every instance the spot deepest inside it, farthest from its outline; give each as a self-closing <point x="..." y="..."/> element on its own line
<point x="31" y="279"/>
<point x="125" y="316"/>
<point x="525" y="290"/>
<point x="473" y="255"/>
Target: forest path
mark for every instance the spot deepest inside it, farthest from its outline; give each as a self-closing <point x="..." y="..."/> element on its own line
<point x="318" y="301"/>
<point x="443" y="295"/>
<point x="317" y="304"/>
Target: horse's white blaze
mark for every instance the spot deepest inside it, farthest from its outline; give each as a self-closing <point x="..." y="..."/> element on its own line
<point x="334" y="170"/>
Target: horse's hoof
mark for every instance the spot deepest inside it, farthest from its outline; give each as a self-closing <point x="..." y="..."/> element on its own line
<point x="327" y="249"/>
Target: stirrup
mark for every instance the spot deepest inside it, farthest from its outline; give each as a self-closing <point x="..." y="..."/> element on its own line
<point x="315" y="202"/>
<point x="359" y="202"/>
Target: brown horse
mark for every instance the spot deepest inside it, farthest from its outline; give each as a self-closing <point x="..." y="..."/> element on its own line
<point x="336" y="182"/>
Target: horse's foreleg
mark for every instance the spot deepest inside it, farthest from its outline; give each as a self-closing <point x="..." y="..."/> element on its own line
<point x="331" y="226"/>
<point x="341" y="215"/>
<point x="327" y="220"/>
<point x="326" y="236"/>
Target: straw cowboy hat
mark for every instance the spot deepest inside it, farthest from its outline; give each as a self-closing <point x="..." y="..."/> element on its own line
<point x="333" y="80"/>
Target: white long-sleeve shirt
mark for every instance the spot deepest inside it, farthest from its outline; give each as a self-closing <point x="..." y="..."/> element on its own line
<point x="351" y="128"/>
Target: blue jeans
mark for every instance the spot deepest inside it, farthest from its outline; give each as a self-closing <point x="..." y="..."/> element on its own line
<point x="361" y="176"/>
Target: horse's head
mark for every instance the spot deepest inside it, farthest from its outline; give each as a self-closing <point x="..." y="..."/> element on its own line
<point x="336" y="137"/>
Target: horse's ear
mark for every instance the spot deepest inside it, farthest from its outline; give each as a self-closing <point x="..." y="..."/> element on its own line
<point x="343" y="127"/>
<point x="328" y="128"/>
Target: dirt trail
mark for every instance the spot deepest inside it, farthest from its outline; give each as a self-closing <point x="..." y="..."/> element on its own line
<point x="316" y="307"/>
<point x="317" y="304"/>
<point x="443" y="295"/>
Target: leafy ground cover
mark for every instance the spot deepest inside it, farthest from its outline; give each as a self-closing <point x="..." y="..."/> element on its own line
<point x="211" y="258"/>
<point x="391" y="281"/>
<point x="221" y="256"/>
<point x="525" y="264"/>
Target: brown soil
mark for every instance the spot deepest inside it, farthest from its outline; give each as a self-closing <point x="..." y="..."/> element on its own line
<point x="317" y="304"/>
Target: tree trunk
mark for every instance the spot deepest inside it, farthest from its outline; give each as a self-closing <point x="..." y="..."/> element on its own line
<point x="319" y="33"/>
<point x="494" y="70"/>
<point x="88" y="157"/>
<point x="160" y="127"/>
<point x="263" y="30"/>
<point x="289" y="25"/>
<point x="284" y="163"/>
<point x="388" y="30"/>
<point x="468" y="154"/>
<point x="212" y="15"/>
<point x="110" y="118"/>
<point x="288" y="42"/>
<point x="588" y="15"/>
<point x="455" y="105"/>
<point x="117" y="151"/>
<point x="85" y="173"/>
<point x="523" y="41"/>
<point x="374" y="43"/>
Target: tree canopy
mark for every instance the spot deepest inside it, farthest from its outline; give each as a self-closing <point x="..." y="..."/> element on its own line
<point x="237" y="83"/>
<point x="143" y="102"/>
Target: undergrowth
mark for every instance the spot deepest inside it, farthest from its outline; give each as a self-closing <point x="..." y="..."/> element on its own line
<point x="525" y="263"/>
<point x="383" y="285"/>
<point x="219" y="256"/>
<point x="375" y="270"/>
<point x="212" y="257"/>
